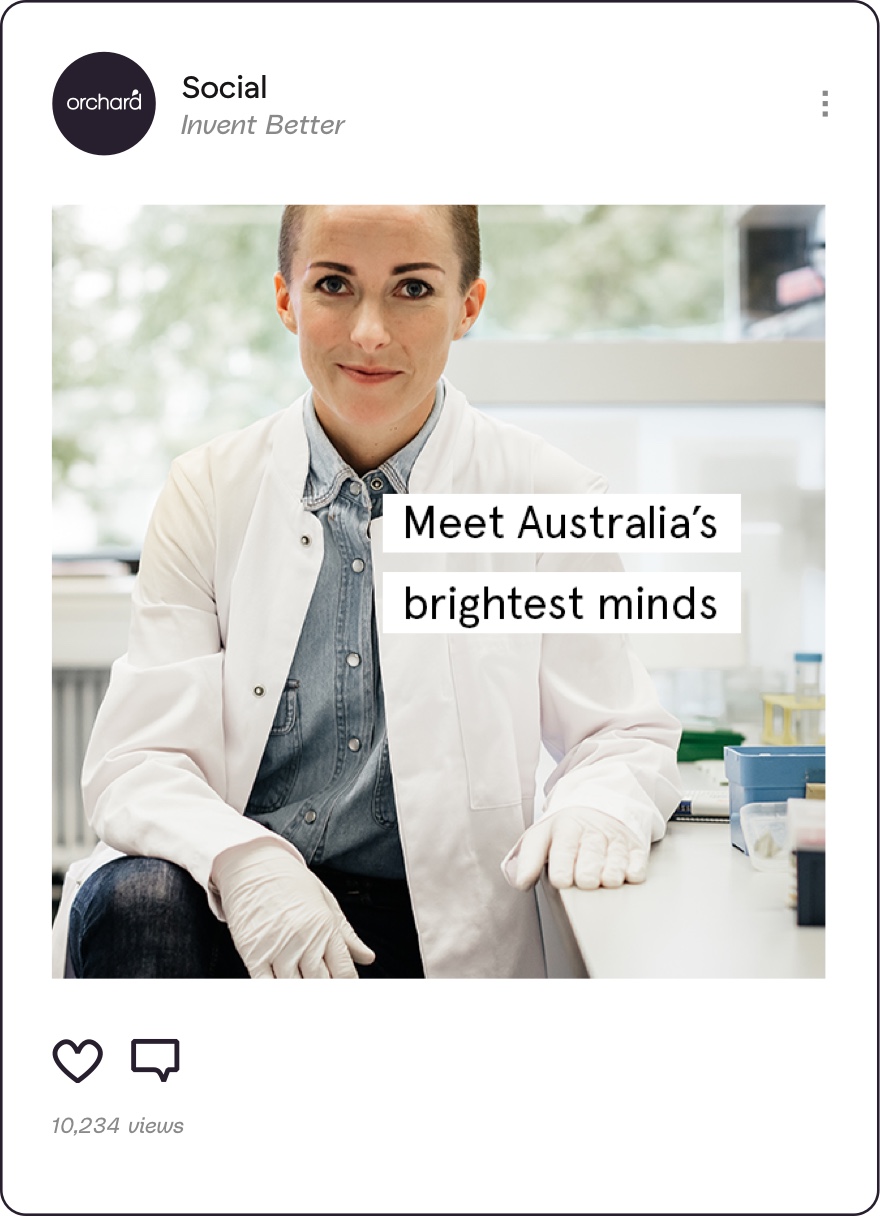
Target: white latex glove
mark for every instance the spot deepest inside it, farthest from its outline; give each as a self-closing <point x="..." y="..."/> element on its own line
<point x="284" y="922"/>
<point x="582" y="848"/>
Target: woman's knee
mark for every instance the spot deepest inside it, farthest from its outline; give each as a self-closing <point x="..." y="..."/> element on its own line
<point x="140" y="916"/>
<point x="134" y="888"/>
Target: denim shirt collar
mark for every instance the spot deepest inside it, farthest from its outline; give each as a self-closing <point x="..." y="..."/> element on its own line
<point x="328" y="472"/>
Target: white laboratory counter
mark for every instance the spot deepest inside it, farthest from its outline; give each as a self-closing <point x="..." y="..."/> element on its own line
<point x="704" y="912"/>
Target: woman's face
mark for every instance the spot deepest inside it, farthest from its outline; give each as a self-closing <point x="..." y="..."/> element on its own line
<point x="374" y="295"/>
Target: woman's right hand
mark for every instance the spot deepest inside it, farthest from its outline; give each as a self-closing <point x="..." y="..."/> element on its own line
<point x="284" y="922"/>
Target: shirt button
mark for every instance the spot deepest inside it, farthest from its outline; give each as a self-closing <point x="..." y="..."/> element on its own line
<point x="354" y="745"/>
<point x="305" y="540"/>
<point x="353" y="660"/>
<point x="357" y="565"/>
<point x="310" y="816"/>
<point x="354" y="487"/>
<point x="377" y="483"/>
<point x="259" y="691"/>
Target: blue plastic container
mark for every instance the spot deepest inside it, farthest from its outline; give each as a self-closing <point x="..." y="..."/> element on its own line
<point x="768" y="774"/>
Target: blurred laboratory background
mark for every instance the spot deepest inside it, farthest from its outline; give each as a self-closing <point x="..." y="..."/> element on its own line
<point x="674" y="349"/>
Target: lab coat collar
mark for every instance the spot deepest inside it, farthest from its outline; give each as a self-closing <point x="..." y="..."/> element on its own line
<point x="289" y="461"/>
<point x="435" y="465"/>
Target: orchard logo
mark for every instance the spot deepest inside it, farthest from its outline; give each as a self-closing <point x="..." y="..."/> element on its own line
<point x="104" y="103"/>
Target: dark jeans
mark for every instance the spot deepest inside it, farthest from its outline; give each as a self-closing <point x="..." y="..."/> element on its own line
<point x="143" y="918"/>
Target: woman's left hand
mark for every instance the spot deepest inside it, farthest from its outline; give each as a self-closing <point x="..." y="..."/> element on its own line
<point x="581" y="847"/>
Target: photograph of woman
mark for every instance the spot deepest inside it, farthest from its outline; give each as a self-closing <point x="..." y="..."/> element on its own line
<point x="282" y="791"/>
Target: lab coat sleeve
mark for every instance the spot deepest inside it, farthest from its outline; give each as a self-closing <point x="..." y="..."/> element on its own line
<point x="154" y="776"/>
<point x="614" y="744"/>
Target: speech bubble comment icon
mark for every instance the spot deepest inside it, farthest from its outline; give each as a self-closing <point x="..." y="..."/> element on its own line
<point x="161" y="1056"/>
<point x="77" y="1061"/>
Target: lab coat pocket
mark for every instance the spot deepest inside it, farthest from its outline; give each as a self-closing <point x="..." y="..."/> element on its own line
<point x="281" y="757"/>
<point x="481" y="668"/>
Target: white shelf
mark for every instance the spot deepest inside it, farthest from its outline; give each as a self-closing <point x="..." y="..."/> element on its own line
<point x="90" y="620"/>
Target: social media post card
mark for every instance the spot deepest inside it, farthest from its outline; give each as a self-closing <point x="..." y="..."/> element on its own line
<point x="415" y="566"/>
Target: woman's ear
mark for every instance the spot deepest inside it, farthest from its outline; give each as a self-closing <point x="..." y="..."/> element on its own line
<point x="472" y="306"/>
<point x="283" y="305"/>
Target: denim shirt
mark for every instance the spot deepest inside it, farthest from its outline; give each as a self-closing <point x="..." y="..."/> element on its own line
<point x="324" y="782"/>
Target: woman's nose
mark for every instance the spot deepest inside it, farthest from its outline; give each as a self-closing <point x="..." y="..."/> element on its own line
<point x="369" y="330"/>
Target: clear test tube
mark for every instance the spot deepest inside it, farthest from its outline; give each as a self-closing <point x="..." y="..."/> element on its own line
<point x="807" y="674"/>
<point x="809" y="714"/>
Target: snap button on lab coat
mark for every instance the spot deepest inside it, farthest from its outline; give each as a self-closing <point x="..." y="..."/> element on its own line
<point x="353" y="660"/>
<point x="259" y="691"/>
<point x="354" y="745"/>
<point x="310" y="816"/>
<point x="357" y="565"/>
<point x="305" y="540"/>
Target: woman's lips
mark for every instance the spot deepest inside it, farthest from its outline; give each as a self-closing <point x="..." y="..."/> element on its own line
<point x="368" y="375"/>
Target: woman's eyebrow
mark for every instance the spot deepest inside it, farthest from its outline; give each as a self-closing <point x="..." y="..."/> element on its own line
<point x="335" y="266"/>
<point x="408" y="266"/>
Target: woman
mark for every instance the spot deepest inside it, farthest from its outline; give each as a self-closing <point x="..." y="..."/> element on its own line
<point x="297" y="793"/>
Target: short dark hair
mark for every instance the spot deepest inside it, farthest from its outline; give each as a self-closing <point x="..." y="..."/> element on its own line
<point x="465" y="228"/>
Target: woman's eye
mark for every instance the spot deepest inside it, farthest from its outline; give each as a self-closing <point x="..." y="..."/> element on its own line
<point x="331" y="285"/>
<point x="416" y="289"/>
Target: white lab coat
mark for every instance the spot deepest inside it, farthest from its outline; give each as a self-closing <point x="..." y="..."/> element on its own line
<point x="228" y="569"/>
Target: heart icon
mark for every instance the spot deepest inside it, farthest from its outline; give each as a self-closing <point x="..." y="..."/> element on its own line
<point x="78" y="1069"/>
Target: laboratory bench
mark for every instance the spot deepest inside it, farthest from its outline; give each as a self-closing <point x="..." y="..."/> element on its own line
<point x="704" y="912"/>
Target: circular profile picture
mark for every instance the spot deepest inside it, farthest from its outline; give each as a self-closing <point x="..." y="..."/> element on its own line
<point x="104" y="103"/>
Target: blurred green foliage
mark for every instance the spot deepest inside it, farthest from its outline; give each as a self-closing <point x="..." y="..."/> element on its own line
<point x="579" y="272"/>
